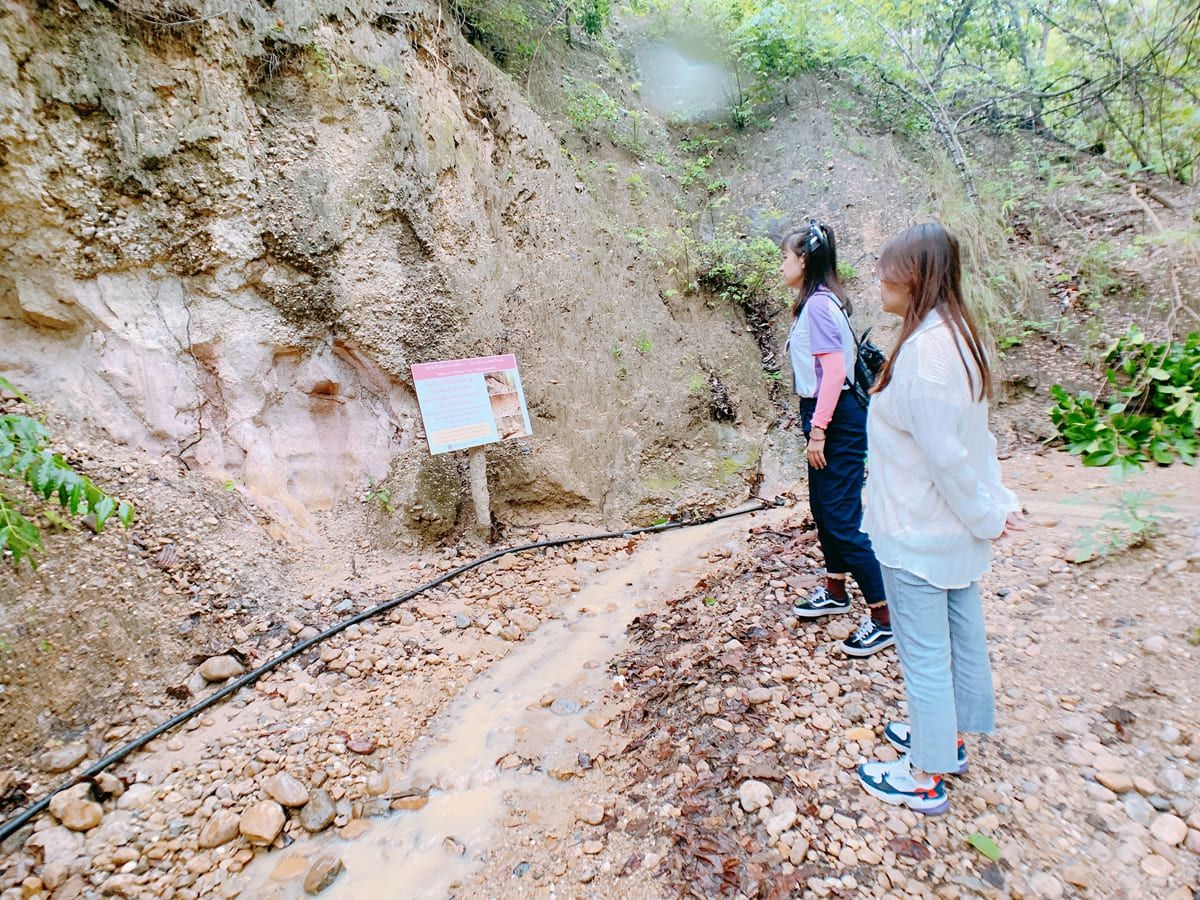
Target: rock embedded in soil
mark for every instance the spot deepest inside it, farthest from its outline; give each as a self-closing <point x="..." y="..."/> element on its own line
<point x="220" y="829"/>
<point x="262" y="822"/>
<point x="62" y="759"/>
<point x="565" y="706"/>
<point x="221" y="668"/>
<point x="363" y="746"/>
<point x="323" y="872"/>
<point x="592" y="814"/>
<point x="319" y="812"/>
<point x="287" y="790"/>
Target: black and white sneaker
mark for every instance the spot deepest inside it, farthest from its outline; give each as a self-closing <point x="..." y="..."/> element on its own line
<point x="821" y="603"/>
<point x="870" y="637"/>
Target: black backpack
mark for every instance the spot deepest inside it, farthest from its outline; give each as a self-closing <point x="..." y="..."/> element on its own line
<point x="868" y="360"/>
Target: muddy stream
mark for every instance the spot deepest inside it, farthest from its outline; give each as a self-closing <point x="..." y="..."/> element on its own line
<point x="534" y="706"/>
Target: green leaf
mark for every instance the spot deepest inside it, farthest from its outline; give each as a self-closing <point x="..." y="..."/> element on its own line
<point x="125" y="514"/>
<point x="984" y="845"/>
<point x="103" y="510"/>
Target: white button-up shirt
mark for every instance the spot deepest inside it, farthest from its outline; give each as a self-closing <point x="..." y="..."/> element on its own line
<point x="934" y="498"/>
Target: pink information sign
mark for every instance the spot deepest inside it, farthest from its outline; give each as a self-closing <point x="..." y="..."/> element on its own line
<point x="468" y="402"/>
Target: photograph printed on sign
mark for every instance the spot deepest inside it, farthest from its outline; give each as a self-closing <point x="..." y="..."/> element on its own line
<point x="506" y="404"/>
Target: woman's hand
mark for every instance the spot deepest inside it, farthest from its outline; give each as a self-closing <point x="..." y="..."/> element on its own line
<point x="1014" y="521"/>
<point x="816" y="448"/>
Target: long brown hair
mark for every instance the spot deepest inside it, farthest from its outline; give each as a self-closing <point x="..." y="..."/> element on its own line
<point x="815" y="244"/>
<point x="925" y="259"/>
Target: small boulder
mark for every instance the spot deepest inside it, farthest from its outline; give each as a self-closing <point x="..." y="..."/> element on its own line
<point x="262" y="822"/>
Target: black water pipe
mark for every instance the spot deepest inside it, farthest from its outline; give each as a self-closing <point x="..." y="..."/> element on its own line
<point x="19" y="820"/>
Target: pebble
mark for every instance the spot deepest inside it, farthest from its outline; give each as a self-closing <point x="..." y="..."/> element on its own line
<point x="1171" y="780"/>
<point x="319" y="812"/>
<point x="362" y="746"/>
<point x="323" y="873"/>
<point x="80" y="815"/>
<point x="1155" y="644"/>
<point x="262" y="822"/>
<point x="754" y="795"/>
<point x="592" y="814"/>
<point x="1078" y="875"/>
<point x="1046" y="885"/>
<point x="1169" y="829"/>
<point x="62" y="759"/>
<point x="798" y="852"/>
<point x="565" y="706"/>
<point x="591" y="848"/>
<point x="286" y="789"/>
<point x="220" y="668"/>
<point x="55" y="844"/>
<point x="136" y="797"/>
<point x="1156" y="866"/>
<point x="1118" y="782"/>
<point x="221" y="828"/>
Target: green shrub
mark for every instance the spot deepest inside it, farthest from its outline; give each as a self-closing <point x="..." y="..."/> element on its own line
<point x="1149" y="413"/>
<point x="743" y="271"/>
<point x="589" y="105"/>
<point x="25" y="457"/>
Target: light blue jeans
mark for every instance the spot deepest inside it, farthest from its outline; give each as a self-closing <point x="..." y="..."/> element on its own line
<point x="947" y="675"/>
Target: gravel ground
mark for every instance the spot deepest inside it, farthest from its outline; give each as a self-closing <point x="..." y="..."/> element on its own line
<point x="722" y="744"/>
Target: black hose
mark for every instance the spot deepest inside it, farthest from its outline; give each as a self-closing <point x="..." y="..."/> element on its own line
<point x="17" y="821"/>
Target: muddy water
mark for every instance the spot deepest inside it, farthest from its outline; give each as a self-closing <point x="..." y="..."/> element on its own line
<point x="507" y="713"/>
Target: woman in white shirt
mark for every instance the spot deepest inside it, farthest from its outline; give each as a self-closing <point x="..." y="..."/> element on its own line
<point x="934" y="504"/>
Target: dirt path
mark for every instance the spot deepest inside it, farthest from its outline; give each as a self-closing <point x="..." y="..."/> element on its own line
<point x="580" y="723"/>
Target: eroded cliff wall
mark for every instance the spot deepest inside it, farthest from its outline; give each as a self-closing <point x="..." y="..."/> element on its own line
<point x="227" y="232"/>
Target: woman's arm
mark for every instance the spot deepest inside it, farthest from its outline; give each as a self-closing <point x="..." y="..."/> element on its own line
<point x="833" y="376"/>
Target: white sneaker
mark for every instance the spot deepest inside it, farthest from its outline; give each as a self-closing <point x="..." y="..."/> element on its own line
<point x="893" y="782"/>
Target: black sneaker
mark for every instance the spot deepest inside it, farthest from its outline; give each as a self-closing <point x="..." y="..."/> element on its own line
<point x="820" y="603"/>
<point x="870" y="637"/>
